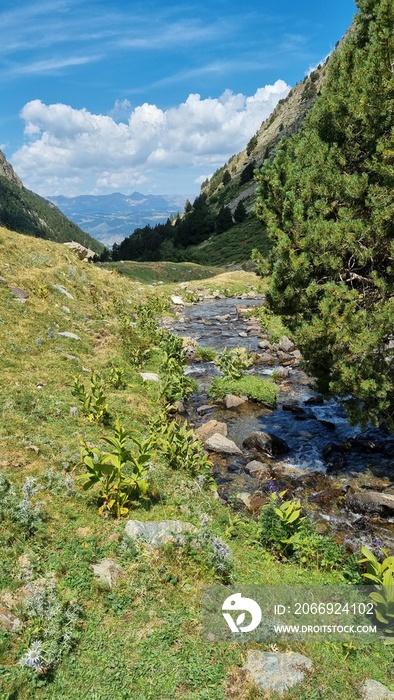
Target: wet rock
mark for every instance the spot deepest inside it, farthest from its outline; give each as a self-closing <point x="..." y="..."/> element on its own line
<point x="275" y="672"/>
<point x="254" y="468"/>
<point x="157" y="532"/>
<point x="327" y="424"/>
<point x="285" y="358"/>
<point x="205" y="431"/>
<point x="269" y="443"/>
<point x="373" y="690"/>
<point x="294" y="408"/>
<point x="206" y="408"/>
<point x="371" y="503"/>
<point x="265" y="359"/>
<point x="285" y="344"/>
<point x="149" y="376"/>
<point x="107" y="572"/>
<point x="8" y="621"/>
<point x="242" y="311"/>
<point x="220" y="443"/>
<point x="223" y="319"/>
<point x="314" y="401"/>
<point x="189" y="348"/>
<point x="231" y="401"/>
<point x="243" y="334"/>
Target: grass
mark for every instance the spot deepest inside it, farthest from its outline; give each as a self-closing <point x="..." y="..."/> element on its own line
<point x="166" y="272"/>
<point x="255" y="388"/>
<point x="142" y="639"/>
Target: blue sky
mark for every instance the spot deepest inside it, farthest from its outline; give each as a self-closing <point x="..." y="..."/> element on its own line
<point x="100" y="97"/>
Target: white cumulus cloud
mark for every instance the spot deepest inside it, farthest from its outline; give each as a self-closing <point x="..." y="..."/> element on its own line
<point x="78" y="152"/>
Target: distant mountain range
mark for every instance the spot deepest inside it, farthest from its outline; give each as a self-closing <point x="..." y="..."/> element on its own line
<point x="110" y="218"/>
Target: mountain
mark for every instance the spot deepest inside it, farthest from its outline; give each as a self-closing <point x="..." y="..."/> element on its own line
<point x="111" y="217"/>
<point x="26" y="212"/>
<point x="220" y="226"/>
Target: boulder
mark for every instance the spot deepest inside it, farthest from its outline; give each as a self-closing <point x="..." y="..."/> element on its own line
<point x="107" y="572"/>
<point x="177" y="301"/>
<point x="189" y="348"/>
<point x="268" y="443"/>
<point x="158" y="532"/>
<point x="285" y="344"/>
<point x="212" y="427"/>
<point x="373" y="690"/>
<point x="274" y="672"/>
<point x="371" y="503"/>
<point x="265" y="359"/>
<point x="231" y="401"/>
<point x="222" y="444"/>
<point x="81" y="252"/>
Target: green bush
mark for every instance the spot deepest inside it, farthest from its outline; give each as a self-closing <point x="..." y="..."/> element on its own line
<point x="255" y="388"/>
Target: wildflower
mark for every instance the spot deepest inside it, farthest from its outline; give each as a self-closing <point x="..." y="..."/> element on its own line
<point x="33" y="657"/>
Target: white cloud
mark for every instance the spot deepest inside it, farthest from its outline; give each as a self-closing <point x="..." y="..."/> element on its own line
<point x="85" y="152"/>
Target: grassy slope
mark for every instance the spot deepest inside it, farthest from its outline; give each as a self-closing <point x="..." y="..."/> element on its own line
<point x="142" y="640"/>
<point x="232" y="246"/>
<point x="166" y="272"/>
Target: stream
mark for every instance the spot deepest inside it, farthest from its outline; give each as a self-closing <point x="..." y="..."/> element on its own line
<point x="344" y="473"/>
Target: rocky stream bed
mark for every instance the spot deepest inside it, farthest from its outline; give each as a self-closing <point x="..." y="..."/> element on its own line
<point x="343" y="473"/>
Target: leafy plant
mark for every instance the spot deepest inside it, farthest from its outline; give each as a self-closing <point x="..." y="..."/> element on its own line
<point x="176" y="384"/>
<point x="94" y="402"/>
<point x="116" y="377"/>
<point x="121" y="473"/>
<point x="381" y="574"/>
<point x="256" y="388"/>
<point x="25" y="512"/>
<point x="234" y="362"/>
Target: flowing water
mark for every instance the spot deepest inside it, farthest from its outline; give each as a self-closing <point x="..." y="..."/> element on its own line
<point x="327" y="457"/>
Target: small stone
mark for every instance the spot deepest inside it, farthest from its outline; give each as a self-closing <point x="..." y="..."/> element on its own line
<point x="19" y="293"/>
<point x="245" y="498"/>
<point x="373" y="690"/>
<point x="243" y="334"/>
<point x="33" y="448"/>
<point x="73" y="411"/>
<point x="205" y="431"/>
<point x="71" y="357"/>
<point x="8" y="621"/>
<point x="3" y="280"/>
<point x="255" y="467"/>
<point x="66" y="309"/>
<point x="222" y="444"/>
<point x="242" y="311"/>
<point x="265" y="359"/>
<point x="275" y="672"/>
<point x="149" y="376"/>
<point x="206" y="408"/>
<point x="179" y="407"/>
<point x="60" y="288"/>
<point x="231" y="401"/>
<point x="67" y="334"/>
<point x="107" y="572"/>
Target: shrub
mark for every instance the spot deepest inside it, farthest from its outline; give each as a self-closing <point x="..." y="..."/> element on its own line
<point x="94" y="402"/>
<point x="25" y="513"/>
<point x="234" y="362"/>
<point x="381" y="574"/>
<point x="255" y="388"/>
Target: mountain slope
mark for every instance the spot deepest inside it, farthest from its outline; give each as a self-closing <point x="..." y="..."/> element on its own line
<point x="221" y="226"/>
<point x="109" y="218"/>
<point x="26" y="212"/>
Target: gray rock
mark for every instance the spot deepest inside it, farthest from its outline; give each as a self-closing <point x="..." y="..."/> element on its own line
<point x="373" y="690"/>
<point x="149" y="376"/>
<point x="107" y="572"/>
<point x="8" y="621"/>
<point x="157" y="532"/>
<point x="206" y="408"/>
<point x="222" y="444"/>
<point x="178" y="301"/>
<point x="231" y="401"/>
<point x="242" y="311"/>
<point x="3" y="280"/>
<point x="371" y="503"/>
<point x="67" y="334"/>
<point x="265" y="359"/>
<point x="212" y="427"/>
<point x="275" y="672"/>
<point x="190" y="346"/>
<point x="255" y="467"/>
<point x="179" y="407"/>
<point x="243" y="334"/>
<point x="19" y="293"/>
<point x="285" y="344"/>
<point x="73" y="411"/>
<point x="245" y="498"/>
<point x="269" y="443"/>
<point x="60" y="288"/>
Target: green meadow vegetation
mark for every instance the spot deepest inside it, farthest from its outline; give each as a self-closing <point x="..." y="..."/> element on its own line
<point x="86" y="444"/>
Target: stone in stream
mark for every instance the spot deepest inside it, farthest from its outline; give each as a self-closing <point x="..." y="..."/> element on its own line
<point x="206" y="408"/>
<point x="269" y="443"/>
<point x="371" y="503"/>
<point x="265" y="359"/>
<point x="220" y="443"/>
<point x="206" y="430"/>
<point x="373" y="690"/>
<point x="285" y="344"/>
<point x="231" y="401"/>
<point x="275" y="672"/>
<point x="254" y="468"/>
<point x="243" y="334"/>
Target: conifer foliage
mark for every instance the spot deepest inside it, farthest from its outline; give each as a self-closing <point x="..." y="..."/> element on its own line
<point x="327" y="200"/>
